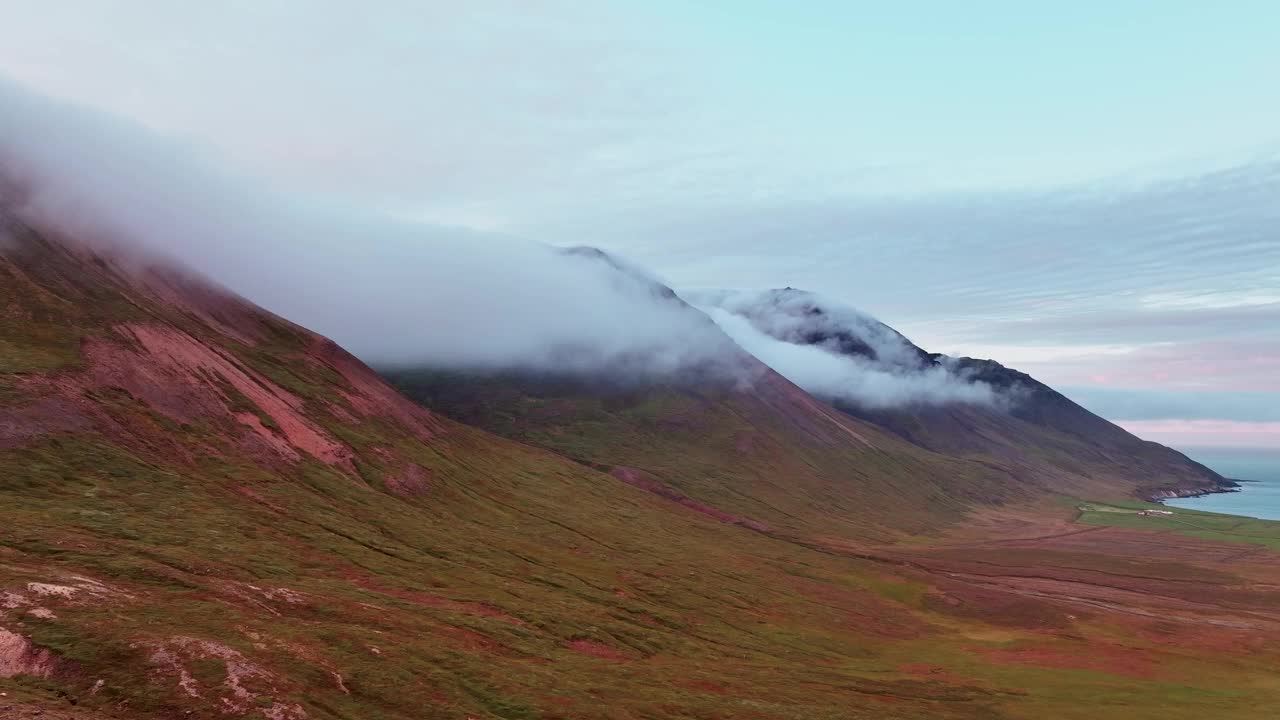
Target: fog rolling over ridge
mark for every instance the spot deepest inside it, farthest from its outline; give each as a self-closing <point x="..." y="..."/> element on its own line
<point x="399" y="293"/>
<point x="839" y="352"/>
<point x="392" y="291"/>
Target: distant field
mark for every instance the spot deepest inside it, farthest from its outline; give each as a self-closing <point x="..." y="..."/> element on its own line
<point x="1193" y="523"/>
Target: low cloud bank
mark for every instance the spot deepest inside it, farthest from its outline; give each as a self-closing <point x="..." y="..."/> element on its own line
<point x="404" y="294"/>
<point x="393" y="292"/>
<point x="838" y="352"/>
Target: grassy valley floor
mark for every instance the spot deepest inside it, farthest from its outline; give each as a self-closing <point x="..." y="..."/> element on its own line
<point x="156" y="593"/>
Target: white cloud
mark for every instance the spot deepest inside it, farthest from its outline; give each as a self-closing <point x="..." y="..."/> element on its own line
<point x="393" y="292"/>
<point x="837" y="352"/>
<point x="407" y="293"/>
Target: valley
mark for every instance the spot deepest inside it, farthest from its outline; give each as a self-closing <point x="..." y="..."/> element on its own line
<point x="208" y="511"/>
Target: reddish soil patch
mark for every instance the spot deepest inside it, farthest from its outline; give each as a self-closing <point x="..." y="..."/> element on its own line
<point x="371" y="397"/>
<point x="598" y="650"/>
<point x="435" y="601"/>
<point x="1101" y="658"/>
<point x="859" y="610"/>
<point x="996" y="606"/>
<point x="19" y="425"/>
<point x="19" y="657"/>
<point x="1183" y="638"/>
<point x="182" y="354"/>
<point x="186" y="380"/>
<point x="470" y="640"/>
<point x="411" y="482"/>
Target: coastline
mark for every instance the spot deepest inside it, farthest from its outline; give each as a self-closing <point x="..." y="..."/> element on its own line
<point x="1159" y="496"/>
<point x="1261" y="502"/>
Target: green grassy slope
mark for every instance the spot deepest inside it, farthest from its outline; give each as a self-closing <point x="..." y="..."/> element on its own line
<point x="1192" y="523"/>
<point x="768" y="454"/>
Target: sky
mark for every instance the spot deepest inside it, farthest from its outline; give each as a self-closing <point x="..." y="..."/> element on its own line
<point x="1085" y="191"/>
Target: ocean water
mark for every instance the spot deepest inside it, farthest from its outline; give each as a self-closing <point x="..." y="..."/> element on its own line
<point x="1258" y="471"/>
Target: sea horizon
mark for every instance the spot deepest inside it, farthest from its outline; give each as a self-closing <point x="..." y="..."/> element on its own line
<point x="1258" y="471"/>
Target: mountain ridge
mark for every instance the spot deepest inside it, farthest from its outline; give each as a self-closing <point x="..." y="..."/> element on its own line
<point x="1026" y="430"/>
<point x="1024" y="415"/>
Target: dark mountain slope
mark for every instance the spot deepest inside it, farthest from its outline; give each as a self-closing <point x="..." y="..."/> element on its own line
<point x="1042" y="425"/>
<point x="764" y="453"/>
<point x="1031" y="431"/>
<point x="736" y="440"/>
<point x="767" y="456"/>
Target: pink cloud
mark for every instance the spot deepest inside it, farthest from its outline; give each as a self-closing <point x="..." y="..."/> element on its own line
<point x="1206" y="433"/>
<point x="1209" y="365"/>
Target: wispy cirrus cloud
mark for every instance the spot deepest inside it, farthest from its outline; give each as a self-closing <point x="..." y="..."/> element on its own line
<point x="1210" y="299"/>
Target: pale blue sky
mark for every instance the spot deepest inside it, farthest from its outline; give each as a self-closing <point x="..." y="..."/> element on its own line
<point x="1089" y="190"/>
<point x="1038" y="90"/>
